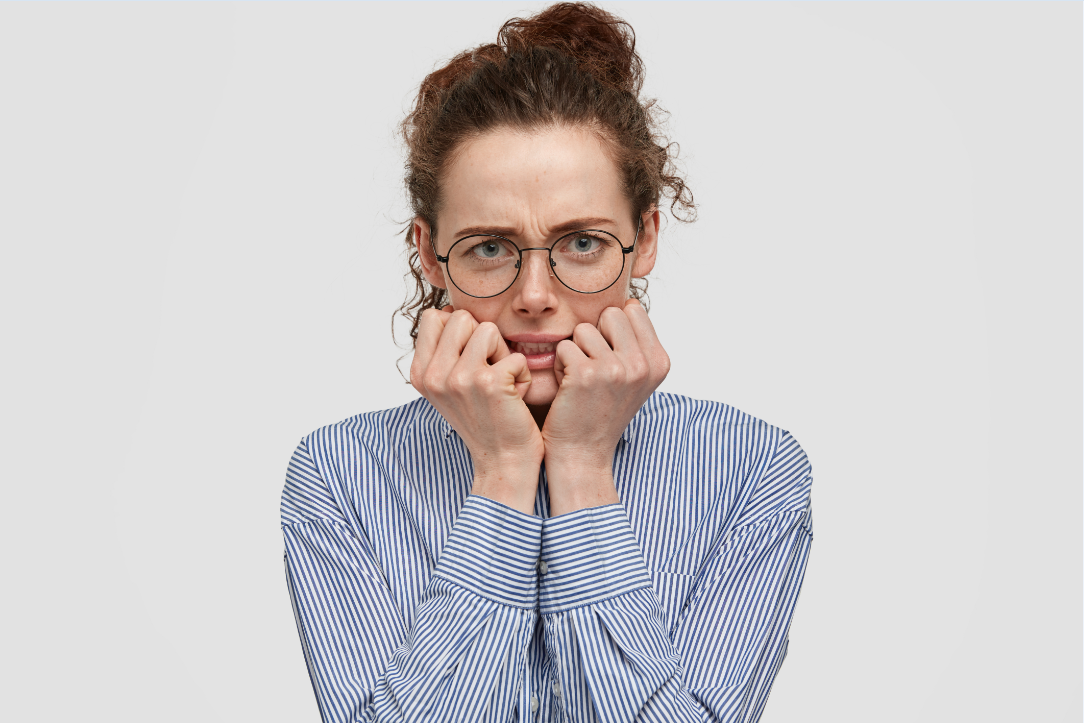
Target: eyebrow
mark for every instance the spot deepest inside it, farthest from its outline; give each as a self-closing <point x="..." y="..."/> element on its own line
<point x="572" y="225"/>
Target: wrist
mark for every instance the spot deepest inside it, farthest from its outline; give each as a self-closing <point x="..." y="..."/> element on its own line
<point x="512" y="482"/>
<point x="578" y="463"/>
<point x="575" y="487"/>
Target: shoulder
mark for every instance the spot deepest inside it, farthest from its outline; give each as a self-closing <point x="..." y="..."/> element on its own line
<point x="761" y="464"/>
<point x="369" y="432"/>
<point x="325" y="466"/>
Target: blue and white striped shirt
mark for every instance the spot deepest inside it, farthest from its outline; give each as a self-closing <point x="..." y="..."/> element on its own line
<point x="417" y="601"/>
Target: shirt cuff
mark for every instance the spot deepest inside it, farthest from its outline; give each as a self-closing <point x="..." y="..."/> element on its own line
<point x="493" y="552"/>
<point x="588" y="556"/>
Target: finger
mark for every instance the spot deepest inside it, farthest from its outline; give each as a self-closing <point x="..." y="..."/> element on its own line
<point x="430" y="328"/>
<point x="568" y="354"/>
<point x="515" y="365"/>
<point x="502" y="350"/>
<point x="558" y="364"/>
<point x="590" y="340"/>
<point x="485" y="344"/>
<point x="457" y="332"/>
<point x="649" y="341"/>
<point x="616" y="329"/>
<point x="641" y="325"/>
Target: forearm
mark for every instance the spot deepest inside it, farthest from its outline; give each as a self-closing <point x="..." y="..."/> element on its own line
<point x="578" y="482"/>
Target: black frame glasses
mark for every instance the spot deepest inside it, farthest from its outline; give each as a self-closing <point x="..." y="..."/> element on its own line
<point x="625" y="251"/>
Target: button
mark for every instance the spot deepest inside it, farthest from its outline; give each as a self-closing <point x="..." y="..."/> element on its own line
<point x="534" y="703"/>
<point x="543" y="568"/>
<point x="556" y="688"/>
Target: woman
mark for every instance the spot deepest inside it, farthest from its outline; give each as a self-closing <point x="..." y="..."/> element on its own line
<point x="543" y="536"/>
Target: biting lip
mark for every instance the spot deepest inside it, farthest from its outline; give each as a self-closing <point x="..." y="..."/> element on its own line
<point x="537" y="338"/>
<point x="539" y="349"/>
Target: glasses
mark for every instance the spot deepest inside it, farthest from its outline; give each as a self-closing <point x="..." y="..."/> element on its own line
<point x="588" y="261"/>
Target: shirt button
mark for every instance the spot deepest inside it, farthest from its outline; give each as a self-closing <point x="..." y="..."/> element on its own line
<point x="534" y="703"/>
<point x="542" y="567"/>
<point x="556" y="688"/>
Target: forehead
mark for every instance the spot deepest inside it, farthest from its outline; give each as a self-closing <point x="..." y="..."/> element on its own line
<point x="531" y="181"/>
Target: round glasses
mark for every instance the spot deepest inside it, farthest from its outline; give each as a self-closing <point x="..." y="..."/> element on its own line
<point x="588" y="261"/>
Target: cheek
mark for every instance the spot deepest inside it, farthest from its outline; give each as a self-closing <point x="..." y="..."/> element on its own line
<point x="588" y="307"/>
<point x="484" y="310"/>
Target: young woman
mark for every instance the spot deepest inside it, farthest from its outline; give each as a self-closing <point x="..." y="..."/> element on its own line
<point x="542" y="536"/>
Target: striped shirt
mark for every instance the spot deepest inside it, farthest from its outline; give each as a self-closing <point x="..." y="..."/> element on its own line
<point x="417" y="601"/>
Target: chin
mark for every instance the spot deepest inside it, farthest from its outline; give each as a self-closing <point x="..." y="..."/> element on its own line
<point x="543" y="387"/>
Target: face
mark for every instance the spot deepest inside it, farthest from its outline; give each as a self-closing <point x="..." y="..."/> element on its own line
<point x="533" y="188"/>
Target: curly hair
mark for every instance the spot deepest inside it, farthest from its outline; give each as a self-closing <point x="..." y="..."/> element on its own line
<point x="572" y="64"/>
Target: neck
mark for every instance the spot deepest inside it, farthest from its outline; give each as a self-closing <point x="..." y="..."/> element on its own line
<point x="539" y="413"/>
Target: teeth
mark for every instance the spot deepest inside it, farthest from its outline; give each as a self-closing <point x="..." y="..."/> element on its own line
<point x="528" y="348"/>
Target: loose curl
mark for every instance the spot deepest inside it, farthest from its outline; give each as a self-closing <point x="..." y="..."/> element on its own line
<point x="573" y="64"/>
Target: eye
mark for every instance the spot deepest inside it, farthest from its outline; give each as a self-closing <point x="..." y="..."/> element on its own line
<point x="583" y="243"/>
<point x="488" y="250"/>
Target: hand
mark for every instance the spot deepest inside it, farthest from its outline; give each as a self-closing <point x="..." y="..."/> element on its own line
<point x="467" y="372"/>
<point x="604" y="375"/>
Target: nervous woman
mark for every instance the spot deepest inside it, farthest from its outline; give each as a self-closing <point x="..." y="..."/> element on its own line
<point x="542" y="535"/>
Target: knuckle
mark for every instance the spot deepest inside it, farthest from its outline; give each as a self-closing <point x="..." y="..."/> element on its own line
<point x="458" y="382"/>
<point x="581" y="329"/>
<point x="432" y="383"/>
<point x="664" y="362"/>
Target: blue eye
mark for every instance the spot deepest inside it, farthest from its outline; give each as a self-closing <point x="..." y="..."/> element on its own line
<point x="583" y="244"/>
<point x="488" y="250"/>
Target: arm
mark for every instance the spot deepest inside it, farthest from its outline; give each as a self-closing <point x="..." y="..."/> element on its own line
<point x="614" y="660"/>
<point x="464" y="658"/>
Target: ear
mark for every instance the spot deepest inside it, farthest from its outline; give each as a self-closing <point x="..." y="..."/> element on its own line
<point x="646" y="245"/>
<point x="431" y="269"/>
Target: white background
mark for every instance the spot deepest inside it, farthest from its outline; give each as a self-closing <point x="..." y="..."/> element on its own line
<point x="199" y="210"/>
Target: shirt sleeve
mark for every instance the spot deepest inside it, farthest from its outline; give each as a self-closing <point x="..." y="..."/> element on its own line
<point x="612" y="657"/>
<point x="464" y="657"/>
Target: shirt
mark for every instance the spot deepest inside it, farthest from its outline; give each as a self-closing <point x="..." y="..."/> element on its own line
<point x="418" y="601"/>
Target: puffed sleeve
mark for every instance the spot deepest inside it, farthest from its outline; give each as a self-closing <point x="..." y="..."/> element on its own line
<point x="465" y="655"/>
<point x="613" y="658"/>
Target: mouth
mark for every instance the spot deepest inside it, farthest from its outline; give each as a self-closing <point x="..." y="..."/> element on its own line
<point x="539" y="349"/>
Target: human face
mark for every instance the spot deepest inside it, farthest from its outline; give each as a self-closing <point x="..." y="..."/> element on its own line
<point x="528" y="187"/>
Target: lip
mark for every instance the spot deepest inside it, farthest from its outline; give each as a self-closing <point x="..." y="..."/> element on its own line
<point x="539" y="360"/>
<point x="536" y="338"/>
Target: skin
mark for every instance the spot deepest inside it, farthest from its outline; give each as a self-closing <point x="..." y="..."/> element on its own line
<point x="528" y="184"/>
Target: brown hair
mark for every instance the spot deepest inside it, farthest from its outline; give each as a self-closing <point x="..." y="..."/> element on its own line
<point x="571" y="64"/>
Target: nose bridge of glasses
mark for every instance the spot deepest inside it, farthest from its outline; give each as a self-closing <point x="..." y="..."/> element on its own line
<point x="536" y="248"/>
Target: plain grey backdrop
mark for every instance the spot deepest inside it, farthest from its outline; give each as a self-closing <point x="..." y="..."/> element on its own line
<point x="199" y="210"/>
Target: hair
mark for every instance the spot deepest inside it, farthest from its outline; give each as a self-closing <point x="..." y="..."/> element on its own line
<point x="572" y="64"/>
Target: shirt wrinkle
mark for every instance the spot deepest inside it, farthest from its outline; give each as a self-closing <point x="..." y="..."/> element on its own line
<point x="531" y="605"/>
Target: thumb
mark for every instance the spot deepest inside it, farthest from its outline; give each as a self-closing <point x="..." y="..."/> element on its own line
<point x="558" y="367"/>
<point x="515" y="365"/>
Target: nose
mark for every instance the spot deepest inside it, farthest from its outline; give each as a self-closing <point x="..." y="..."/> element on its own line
<point x="534" y="290"/>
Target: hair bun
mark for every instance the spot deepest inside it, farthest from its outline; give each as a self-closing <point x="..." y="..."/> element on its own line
<point x="601" y="43"/>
